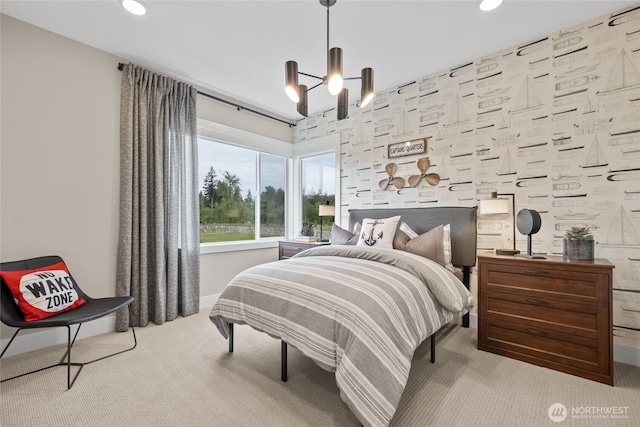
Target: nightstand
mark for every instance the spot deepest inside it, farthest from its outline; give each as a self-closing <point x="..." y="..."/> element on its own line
<point x="550" y="312"/>
<point x="288" y="248"/>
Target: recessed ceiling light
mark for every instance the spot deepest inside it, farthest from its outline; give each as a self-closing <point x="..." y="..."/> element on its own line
<point x="488" y="5"/>
<point x="134" y="6"/>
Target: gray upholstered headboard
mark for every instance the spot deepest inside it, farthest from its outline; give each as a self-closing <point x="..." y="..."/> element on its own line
<point x="462" y="220"/>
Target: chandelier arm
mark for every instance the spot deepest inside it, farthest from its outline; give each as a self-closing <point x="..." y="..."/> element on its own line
<point x="313" y="87"/>
<point x="310" y="75"/>
<point x="352" y="78"/>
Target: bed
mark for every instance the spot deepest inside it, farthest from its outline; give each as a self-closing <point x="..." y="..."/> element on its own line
<point x="358" y="311"/>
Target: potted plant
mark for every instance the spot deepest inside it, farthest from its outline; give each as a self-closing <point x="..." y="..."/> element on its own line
<point x="578" y="243"/>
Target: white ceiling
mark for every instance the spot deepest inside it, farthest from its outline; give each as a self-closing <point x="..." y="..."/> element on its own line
<point x="239" y="48"/>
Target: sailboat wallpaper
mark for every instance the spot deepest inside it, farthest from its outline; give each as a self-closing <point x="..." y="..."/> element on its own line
<point x="554" y="121"/>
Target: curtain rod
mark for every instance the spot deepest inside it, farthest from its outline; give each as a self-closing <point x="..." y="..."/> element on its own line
<point x="238" y="106"/>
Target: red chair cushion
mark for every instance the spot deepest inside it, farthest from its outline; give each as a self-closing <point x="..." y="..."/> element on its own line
<point x="42" y="292"/>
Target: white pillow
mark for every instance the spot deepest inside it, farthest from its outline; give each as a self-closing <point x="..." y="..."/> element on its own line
<point x="378" y="232"/>
<point x="357" y="228"/>
<point x="407" y="230"/>
<point x="446" y="243"/>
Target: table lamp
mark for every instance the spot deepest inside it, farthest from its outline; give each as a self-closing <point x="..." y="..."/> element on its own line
<point x="325" y="210"/>
<point x="496" y="206"/>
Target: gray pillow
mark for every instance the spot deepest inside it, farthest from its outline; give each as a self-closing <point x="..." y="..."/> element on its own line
<point x="340" y="236"/>
<point x="428" y="245"/>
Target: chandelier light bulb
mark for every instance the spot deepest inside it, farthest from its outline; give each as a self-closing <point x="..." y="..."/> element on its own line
<point x="133" y="6"/>
<point x="292" y="93"/>
<point x="366" y="100"/>
<point x="335" y="84"/>
<point x="291" y="81"/>
<point x="366" y="92"/>
<point x="334" y="70"/>
<point x="488" y="5"/>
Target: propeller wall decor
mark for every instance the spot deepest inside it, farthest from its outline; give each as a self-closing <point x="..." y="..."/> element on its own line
<point x="397" y="182"/>
<point x="431" y="178"/>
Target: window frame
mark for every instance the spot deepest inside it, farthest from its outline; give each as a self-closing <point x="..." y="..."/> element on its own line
<point x="302" y="150"/>
<point x="259" y="143"/>
<point x="294" y="153"/>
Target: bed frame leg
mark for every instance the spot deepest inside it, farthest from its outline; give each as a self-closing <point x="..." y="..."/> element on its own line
<point x="433" y="348"/>
<point x="283" y="356"/>
<point x="230" y="337"/>
<point x="466" y="277"/>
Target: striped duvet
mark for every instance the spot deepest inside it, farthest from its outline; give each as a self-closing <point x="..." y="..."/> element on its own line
<point x="357" y="311"/>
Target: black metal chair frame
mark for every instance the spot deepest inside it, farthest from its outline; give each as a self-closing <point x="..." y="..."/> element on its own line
<point x="93" y="309"/>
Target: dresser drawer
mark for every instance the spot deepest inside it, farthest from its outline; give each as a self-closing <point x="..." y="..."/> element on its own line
<point x="545" y="347"/>
<point x="548" y="284"/>
<point x="287" y="249"/>
<point x="582" y="320"/>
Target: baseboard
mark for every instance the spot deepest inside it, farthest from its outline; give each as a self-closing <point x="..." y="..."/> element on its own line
<point x="473" y="320"/>
<point x="29" y="341"/>
<point x="623" y="353"/>
<point x="208" y="301"/>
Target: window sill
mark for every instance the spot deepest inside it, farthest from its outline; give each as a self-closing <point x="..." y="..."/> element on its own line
<point x="212" y="248"/>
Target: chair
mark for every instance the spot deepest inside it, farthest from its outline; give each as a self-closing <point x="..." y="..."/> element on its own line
<point x="92" y="309"/>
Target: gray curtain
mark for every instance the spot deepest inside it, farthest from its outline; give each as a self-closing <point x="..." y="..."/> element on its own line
<point x="159" y="242"/>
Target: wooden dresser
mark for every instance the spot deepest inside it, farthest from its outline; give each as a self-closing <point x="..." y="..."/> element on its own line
<point x="551" y="312"/>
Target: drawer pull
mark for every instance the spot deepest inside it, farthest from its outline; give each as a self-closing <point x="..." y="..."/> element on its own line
<point x="536" y="332"/>
<point x="536" y="272"/>
<point x="631" y="310"/>
<point x="536" y="302"/>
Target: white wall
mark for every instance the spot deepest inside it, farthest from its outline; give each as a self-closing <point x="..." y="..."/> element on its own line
<point x="59" y="157"/>
<point x="60" y="153"/>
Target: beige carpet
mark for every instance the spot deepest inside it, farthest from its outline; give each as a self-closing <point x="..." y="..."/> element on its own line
<point x="181" y="375"/>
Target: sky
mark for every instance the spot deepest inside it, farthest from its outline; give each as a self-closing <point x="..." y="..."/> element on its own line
<point x="240" y="162"/>
<point x="319" y="170"/>
<point x="319" y="174"/>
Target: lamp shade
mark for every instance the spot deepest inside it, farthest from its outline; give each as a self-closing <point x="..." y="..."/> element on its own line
<point x="494" y="207"/>
<point x="343" y="104"/>
<point x="302" y="104"/>
<point x="291" y="80"/>
<point x="366" y="92"/>
<point x="334" y="71"/>
<point x="327" y="210"/>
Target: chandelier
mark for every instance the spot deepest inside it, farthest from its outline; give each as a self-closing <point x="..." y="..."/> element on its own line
<point x="333" y="79"/>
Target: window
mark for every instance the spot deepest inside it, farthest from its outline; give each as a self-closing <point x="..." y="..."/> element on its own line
<point x="242" y="192"/>
<point x="254" y="189"/>
<point x="272" y="200"/>
<point x="318" y="176"/>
